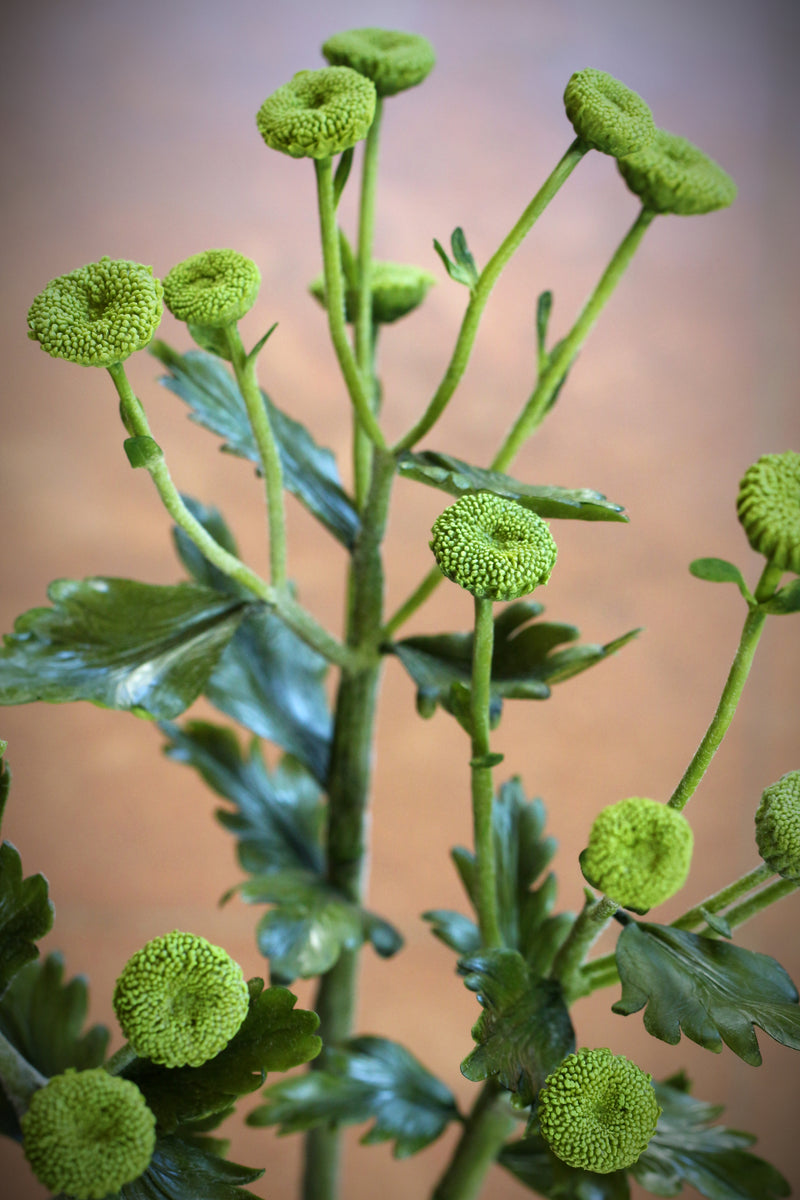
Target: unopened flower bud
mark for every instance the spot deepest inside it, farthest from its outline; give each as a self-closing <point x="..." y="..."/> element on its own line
<point x="606" y="114"/>
<point x="393" y="61"/>
<point x="318" y="113"/>
<point x="639" y="852"/>
<point x="673" y="176"/>
<point x="769" y="508"/>
<point x="212" y="289"/>
<point x="778" y="826"/>
<point x="397" y="289"/>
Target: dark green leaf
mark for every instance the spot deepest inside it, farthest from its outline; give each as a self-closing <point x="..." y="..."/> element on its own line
<point x="198" y="566"/>
<point x="180" y="1170"/>
<point x="273" y="1037"/>
<point x="714" y="991"/>
<point x="309" y="470"/>
<point x="544" y="307"/>
<point x="456" y="931"/>
<point x="532" y="1162"/>
<point x="26" y="914"/>
<point x="142" y="451"/>
<point x="717" y="922"/>
<point x="524" y="1031"/>
<point x="686" y="1149"/>
<point x="311" y="924"/>
<point x="272" y="683"/>
<point x="463" y="270"/>
<point x="5" y="781"/>
<point x="368" y="1078"/>
<point x="279" y="815"/>
<point x="341" y="175"/>
<point x="719" y="570"/>
<point x="120" y="644"/>
<point x="459" y="478"/>
<point x="787" y="600"/>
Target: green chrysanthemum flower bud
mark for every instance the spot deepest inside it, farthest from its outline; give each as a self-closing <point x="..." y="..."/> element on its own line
<point x="639" y="852"/>
<point x="393" y="61"/>
<point x="598" y="1111"/>
<point x="180" y="1000"/>
<point x="319" y="113"/>
<point x="493" y="547"/>
<point x="212" y="289"/>
<point x="397" y="289"/>
<point x="607" y="115"/>
<point x="98" y="315"/>
<point x="673" y="176"/>
<point x="87" y="1133"/>
<point x="778" y="826"/>
<point x="769" y="508"/>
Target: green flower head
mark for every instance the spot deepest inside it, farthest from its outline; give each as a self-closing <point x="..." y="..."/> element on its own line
<point x="606" y="114"/>
<point x="673" y="176"/>
<point x="397" y="289"/>
<point x="778" y="826"/>
<point x="639" y="852"/>
<point x="598" y="1111"/>
<point x="393" y="61"/>
<point x="493" y="547"/>
<point x="87" y="1133"/>
<point x="98" y="315"/>
<point x="212" y="289"/>
<point x="769" y="508"/>
<point x="319" y="113"/>
<point x="180" y="1000"/>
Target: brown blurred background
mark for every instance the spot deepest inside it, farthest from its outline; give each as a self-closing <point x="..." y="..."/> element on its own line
<point x="130" y="131"/>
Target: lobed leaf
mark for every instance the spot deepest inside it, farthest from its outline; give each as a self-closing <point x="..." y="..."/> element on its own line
<point x="181" y="1170"/>
<point x="533" y="1163"/>
<point x="26" y="914"/>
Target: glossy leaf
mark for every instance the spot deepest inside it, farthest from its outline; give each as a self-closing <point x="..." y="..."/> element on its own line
<point x="278" y="815"/>
<point x="369" y="1078"/>
<point x="459" y="478"/>
<point x="785" y="601"/>
<point x="687" y="1149"/>
<point x="531" y="1161"/>
<point x="26" y="914"/>
<point x="712" y="990"/>
<point x="180" y="1170"/>
<point x="719" y="570"/>
<point x="119" y="644"/>
<point x="524" y="1031"/>
<point x="309" y="470"/>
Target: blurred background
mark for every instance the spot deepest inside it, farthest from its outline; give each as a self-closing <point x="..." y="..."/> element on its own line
<point x="129" y="131"/>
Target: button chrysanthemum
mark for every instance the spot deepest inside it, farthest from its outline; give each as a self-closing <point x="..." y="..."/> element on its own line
<point x="180" y="1000"/>
<point x="87" y="1133"/>
<point x="606" y="114"/>
<point x="393" y="61"/>
<point x="778" y="826"/>
<point x="673" y="176"/>
<point x="397" y="289"/>
<point x="98" y="315"/>
<point x="318" y="113"/>
<point x="212" y="289"/>
<point x="598" y="1111"/>
<point x="769" y="508"/>
<point x="493" y="547"/>
<point x="639" y="852"/>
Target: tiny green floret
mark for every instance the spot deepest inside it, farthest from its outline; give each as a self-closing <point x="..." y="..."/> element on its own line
<point x="318" y="113"/>
<point x="768" y="506"/>
<point x="639" y="852"/>
<point x="607" y="115"/>
<point x="180" y="1000"/>
<point x="98" y="315"/>
<point x="397" y="289"/>
<point x="778" y="826"/>
<point x="88" y="1133"/>
<point x="393" y="60"/>
<point x="212" y="289"/>
<point x="598" y="1111"/>
<point x="493" y="547"/>
<point x="673" y="176"/>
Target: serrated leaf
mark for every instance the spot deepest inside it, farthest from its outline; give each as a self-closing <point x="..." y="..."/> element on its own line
<point x="311" y="924"/>
<point x="459" y="478"/>
<point x="785" y="601"/>
<point x="26" y="914"/>
<point x="367" y="1078"/>
<point x="273" y="1037"/>
<point x="119" y="644"/>
<point x="533" y="1163"/>
<point x="524" y="1031"/>
<point x="309" y="471"/>
<point x="719" y="570"/>
<point x="714" y="991"/>
<point x="273" y="684"/>
<point x="278" y="817"/>
<point x="180" y="1170"/>
<point x="686" y="1149"/>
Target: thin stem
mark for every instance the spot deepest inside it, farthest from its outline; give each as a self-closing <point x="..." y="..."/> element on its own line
<point x="18" y="1078"/>
<point x="721" y="899"/>
<point x="756" y="904"/>
<point x="731" y="693"/>
<point x="245" y="370"/>
<point x="586" y="929"/>
<point x="120" y="1059"/>
<point x="536" y="408"/>
<point x="334" y="303"/>
<point x="482" y="787"/>
<point x="362" y="449"/>
<point x="415" y="600"/>
<point x="488" y="1126"/>
<point x="482" y="290"/>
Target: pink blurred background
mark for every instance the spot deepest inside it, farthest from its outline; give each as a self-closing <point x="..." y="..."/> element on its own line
<point x="130" y="132"/>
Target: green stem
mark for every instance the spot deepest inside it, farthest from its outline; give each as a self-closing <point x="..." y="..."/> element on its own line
<point x="415" y="600"/>
<point x="537" y="406"/>
<point x="487" y="1128"/>
<point x="120" y="1059"/>
<point x="245" y="370"/>
<point x="334" y="303"/>
<point x="482" y="290"/>
<point x="756" y="904"/>
<point x="18" y="1078"/>
<point x="731" y="693"/>
<point x="586" y="929"/>
<point x="362" y="447"/>
<point x="482" y="787"/>
<point x="721" y="899"/>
